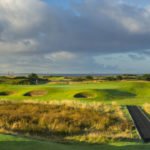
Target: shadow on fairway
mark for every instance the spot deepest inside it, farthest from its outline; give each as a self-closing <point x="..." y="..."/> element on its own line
<point x="37" y="145"/>
<point x="84" y="95"/>
<point x="115" y="94"/>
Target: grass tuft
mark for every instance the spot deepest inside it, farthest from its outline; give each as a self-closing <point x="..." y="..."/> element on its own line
<point x="66" y="120"/>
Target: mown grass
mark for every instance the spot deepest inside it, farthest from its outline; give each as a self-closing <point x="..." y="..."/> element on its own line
<point x="123" y="92"/>
<point x="8" y="142"/>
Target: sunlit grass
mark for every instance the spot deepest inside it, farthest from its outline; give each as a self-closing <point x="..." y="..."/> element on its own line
<point x="66" y="120"/>
<point x="125" y="92"/>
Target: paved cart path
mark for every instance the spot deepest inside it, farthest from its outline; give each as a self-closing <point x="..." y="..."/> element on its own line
<point x="142" y="122"/>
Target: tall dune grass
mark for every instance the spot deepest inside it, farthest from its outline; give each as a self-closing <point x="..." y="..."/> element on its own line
<point x="146" y="107"/>
<point x="68" y="120"/>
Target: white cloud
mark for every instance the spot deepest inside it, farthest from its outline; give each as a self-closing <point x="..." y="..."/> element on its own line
<point x="132" y="18"/>
<point x="18" y="46"/>
<point x="130" y="24"/>
<point x="60" y="56"/>
<point x="20" y="14"/>
<point x="19" y="22"/>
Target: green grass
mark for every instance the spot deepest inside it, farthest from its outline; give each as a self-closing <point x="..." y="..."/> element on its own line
<point x="125" y="92"/>
<point x="8" y="142"/>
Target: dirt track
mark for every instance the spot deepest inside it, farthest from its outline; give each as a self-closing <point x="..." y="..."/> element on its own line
<point x="142" y="122"/>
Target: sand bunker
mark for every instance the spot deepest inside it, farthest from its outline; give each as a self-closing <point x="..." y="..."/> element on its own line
<point x="36" y="93"/>
<point x="6" y="93"/>
<point x="84" y="95"/>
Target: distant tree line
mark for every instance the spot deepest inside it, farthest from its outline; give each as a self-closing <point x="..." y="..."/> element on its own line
<point x="34" y="79"/>
<point x="145" y="77"/>
<point x="31" y="79"/>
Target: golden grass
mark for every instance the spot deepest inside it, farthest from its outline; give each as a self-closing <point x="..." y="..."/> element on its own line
<point x="146" y="107"/>
<point x="68" y="120"/>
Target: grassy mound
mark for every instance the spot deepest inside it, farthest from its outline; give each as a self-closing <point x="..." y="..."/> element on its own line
<point x="6" y="93"/>
<point x="36" y="93"/>
<point x="84" y="95"/>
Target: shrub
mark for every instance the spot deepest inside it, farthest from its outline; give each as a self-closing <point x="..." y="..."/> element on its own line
<point x="146" y="77"/>
<point x="89" y="77"/>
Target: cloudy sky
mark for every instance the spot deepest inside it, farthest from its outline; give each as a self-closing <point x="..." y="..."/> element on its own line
<point x="75" y="36"/>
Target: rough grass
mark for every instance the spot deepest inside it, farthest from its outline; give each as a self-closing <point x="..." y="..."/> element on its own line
<point x="81" y="122"/>
<point x="146" y="107"/>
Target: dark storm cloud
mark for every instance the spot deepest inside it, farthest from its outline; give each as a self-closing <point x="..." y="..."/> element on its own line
<point x="99" y="27"/>
<point x="91" y="26"/>
<point x="34" y="29"/>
